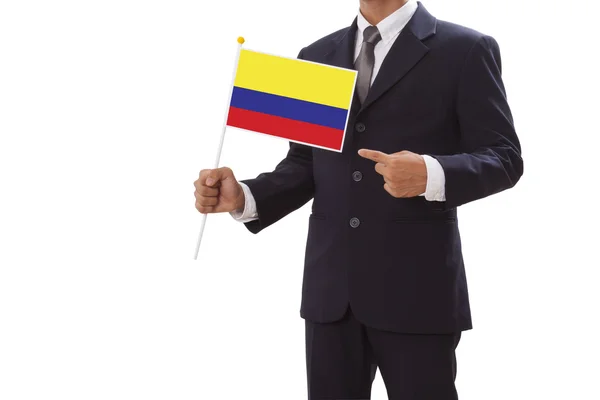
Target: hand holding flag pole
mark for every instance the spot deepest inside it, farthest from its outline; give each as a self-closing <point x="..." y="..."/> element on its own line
<point x="290" y="98"/>
<point x="240" y="41"/>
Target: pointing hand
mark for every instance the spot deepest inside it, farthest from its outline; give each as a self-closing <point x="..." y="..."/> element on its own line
<point x="404" y="173"/>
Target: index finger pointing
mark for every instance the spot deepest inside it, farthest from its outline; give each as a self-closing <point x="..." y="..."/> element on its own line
<point x="373" y="155"/>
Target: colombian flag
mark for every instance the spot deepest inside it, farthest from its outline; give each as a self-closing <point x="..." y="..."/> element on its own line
<point x="298" y="100"/>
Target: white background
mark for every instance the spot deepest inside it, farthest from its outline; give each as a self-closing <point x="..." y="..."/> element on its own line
<point x="109" y="109"/>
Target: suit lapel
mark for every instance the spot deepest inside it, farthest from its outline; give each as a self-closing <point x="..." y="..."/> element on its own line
<point x="405" y="53"/>
<point x="342" y="56"/>
<point x="342" y="53"/>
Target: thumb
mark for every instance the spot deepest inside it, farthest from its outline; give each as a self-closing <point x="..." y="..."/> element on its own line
<point x="217" y="175"/>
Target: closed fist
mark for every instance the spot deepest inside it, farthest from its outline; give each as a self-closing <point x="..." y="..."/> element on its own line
<point x="218" y="191"/>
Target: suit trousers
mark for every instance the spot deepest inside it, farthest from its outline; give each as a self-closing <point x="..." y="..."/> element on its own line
<point x="342" y="358"/>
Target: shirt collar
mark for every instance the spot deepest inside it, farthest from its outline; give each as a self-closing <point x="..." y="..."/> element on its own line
<point x="392" y="24"/>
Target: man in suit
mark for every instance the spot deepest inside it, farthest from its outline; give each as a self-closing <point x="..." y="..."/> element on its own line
<point x="384" y="282"/>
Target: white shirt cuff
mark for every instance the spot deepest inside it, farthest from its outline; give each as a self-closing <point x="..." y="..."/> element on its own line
<point x="249" y="212"/>
<point x="436" y="180"/>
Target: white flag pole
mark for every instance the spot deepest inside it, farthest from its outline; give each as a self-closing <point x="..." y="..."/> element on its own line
<point x="217" y="160"/>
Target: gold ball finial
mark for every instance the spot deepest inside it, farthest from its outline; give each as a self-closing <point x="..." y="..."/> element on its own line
<point x="241" y="40"/>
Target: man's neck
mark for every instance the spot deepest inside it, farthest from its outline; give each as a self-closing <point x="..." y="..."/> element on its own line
<point x="376" y="11"/>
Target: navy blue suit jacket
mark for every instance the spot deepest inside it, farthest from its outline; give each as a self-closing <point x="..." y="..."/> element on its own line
<point x="439" y="92"/>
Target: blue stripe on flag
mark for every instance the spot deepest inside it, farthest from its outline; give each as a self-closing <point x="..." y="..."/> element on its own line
<point x="286" y="107"/>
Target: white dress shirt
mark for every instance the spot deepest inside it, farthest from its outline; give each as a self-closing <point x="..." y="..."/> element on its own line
<point x="389" y="28"/>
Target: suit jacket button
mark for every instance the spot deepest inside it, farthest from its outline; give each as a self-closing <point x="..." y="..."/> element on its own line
<point x="354" y="222"/>
<point x="357" y="176"/>
<point x="360" y="127"/>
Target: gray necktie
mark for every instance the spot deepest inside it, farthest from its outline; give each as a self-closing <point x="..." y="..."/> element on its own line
<point x="365" y="61"/>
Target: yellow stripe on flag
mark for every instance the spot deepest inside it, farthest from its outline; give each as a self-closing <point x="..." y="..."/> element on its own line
<point x="317" y="83"/>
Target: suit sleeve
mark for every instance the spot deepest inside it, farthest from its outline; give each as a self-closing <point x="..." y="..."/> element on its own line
<point x="490" y="159"/>
<point x="288" y="187"/>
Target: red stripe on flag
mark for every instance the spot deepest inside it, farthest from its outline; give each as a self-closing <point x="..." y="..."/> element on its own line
<point x="286" y="128"/>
